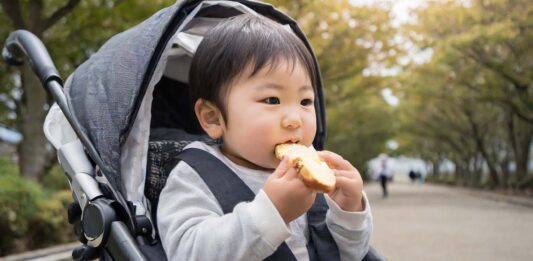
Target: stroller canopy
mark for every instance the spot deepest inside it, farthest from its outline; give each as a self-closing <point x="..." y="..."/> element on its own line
<point x="111" y="94"/>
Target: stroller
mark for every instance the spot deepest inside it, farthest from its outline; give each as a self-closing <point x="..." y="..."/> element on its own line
<point x="124" y="114"/>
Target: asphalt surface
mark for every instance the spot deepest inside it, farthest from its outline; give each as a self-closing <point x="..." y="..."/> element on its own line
<point x="430" y="222"/>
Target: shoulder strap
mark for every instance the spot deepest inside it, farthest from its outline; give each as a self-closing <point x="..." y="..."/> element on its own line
<point x="321" y="245"/>
<point x="228" y="188"/>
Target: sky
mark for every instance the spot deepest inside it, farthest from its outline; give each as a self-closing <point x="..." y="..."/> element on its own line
<point x="9" y="136"/>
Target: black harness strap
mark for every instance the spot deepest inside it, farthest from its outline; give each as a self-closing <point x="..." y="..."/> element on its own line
<point x="228" y="188"/>
<point x="321" y="244"/>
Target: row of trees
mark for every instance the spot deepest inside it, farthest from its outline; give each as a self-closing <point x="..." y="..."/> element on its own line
<point x="472" y="103"/>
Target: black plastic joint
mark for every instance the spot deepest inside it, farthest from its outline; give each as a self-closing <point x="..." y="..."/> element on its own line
<point x="143" y="226"/>
<point x="96" y="221"/>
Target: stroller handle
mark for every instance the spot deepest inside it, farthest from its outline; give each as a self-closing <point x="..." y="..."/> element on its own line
<point x="23" y="44"/>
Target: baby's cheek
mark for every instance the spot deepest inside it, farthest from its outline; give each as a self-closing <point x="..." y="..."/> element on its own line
<point x="261" y="151"/>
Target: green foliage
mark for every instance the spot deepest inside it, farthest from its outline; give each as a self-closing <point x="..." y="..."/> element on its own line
<point x="18" y="206"/>
<point x="50" y="226"/>
<point x="441" y="179"/>
<point x="56" y="179"/>
<point x="72" y="40"/>
<point x="31" y="217"/>
<point x="7" y="167"/>
<point x="359" y="128"/>
<point x="471" y="103"/>
<point x="71" y="34"/>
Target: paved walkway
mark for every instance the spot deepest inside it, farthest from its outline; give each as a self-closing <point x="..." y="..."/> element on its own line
<point x="429" y="222"/>
<point x="55" y="253"/>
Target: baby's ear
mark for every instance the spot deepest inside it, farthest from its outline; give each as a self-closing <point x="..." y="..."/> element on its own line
<point x="210" y="118"/>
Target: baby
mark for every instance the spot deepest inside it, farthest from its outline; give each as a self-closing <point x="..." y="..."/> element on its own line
<point x="253" y="85"/>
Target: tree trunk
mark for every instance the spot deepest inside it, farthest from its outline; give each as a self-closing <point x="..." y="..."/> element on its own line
<point x="33" y="153"/>
<point x="506" y="173"/>
<point x="461" y="167"/>
<point x="478" y="137"/>
<point x="35" y="157"/>
<point x="477" y="170"/>
<point x="522" y="158"/>
<point x="492" y="168"/>
<point x="436" y="168"/>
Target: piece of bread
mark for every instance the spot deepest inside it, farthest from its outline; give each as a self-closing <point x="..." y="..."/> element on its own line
<point x="314" y="172"/>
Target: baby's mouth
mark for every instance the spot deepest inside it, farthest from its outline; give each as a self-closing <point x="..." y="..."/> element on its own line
<point x="291" y="141"/>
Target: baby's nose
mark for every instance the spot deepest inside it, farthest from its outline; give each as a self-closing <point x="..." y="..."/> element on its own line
<point x="292" y="120"/>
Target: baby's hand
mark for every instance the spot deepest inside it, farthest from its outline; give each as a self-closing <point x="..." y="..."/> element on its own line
<point x="288" y="193"/>
<point x="348" y="192"/>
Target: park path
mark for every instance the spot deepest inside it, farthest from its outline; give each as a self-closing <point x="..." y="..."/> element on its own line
<point x="430" y="222"/>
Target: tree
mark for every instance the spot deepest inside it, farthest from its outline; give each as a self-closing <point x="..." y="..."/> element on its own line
<point x="480" y="76"/>
<point x="33" y="154"/>
<point x="71" y="30"/>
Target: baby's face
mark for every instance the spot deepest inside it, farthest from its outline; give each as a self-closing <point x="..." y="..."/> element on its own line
<point x="274" y="106"/>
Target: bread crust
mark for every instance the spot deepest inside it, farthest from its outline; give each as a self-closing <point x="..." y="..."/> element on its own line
<point x="306" y="174"/>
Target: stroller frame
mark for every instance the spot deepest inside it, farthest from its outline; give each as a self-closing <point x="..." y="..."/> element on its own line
<point x="90" y="200"/>
<point x="108" y="225"/>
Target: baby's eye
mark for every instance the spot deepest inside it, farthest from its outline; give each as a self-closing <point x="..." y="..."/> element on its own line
<point x="306" y="102"/>
<point x="271" y="100"/>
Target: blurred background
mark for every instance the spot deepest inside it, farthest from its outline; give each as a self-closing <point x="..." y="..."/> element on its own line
<point x="439" y="91"/>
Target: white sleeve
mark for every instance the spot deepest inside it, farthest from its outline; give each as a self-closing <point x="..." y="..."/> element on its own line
<point x="192" y="225"/>
<point x="350" y="230"/>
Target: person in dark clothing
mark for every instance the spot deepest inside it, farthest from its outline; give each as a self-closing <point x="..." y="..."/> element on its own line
<point x="412" y="176"/>
<point x="384" y="177"/>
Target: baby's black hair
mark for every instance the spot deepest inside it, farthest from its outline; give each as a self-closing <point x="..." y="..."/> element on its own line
<point x="238" y="42"/>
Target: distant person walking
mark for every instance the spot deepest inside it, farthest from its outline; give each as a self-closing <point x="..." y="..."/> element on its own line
<point x="414" y="175"/>
<point x="384" y="176"/>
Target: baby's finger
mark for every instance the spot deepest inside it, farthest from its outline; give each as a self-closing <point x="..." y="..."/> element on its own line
<point x="353" y="174"/>
<point x="347" y="184"/>
<point x="291" y="174"/>
<point x="334" y="160"/>
<point x="282" y="168"/>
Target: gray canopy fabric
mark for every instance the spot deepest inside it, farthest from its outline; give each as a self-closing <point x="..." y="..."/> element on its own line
<point x="106" y="91"/>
